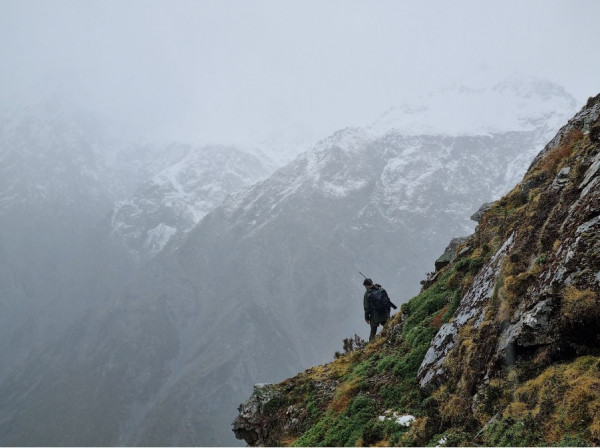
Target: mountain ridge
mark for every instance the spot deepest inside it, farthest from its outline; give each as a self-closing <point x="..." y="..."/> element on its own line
<point x="275" y="267"/>
<point x="492" y="351"/>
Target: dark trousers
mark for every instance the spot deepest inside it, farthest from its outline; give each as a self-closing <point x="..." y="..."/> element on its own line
<point x="374" y="329"/>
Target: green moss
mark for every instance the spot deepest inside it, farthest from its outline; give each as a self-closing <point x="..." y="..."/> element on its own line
<point x="428" y="303"/>
<point x="512" y="432"/>
<point x="404" y="395"/>
<point x="573" y="440"/>
<point x="373" y="432"/>
<point x="388" y="362"/>
<point x="316" y="433"/>
<point x="454" y="302"/>
<point x="469" y="265"/>
<point x="363" y="369"/>
<point x="409" y="364"/>
<point x="341" y="430"/>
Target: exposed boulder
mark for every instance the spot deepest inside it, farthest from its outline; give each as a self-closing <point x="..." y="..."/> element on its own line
<point x="562" y="178"/>
<point x="250" y="424"/>
<point x="595" y="134"/>
<point x="450" y="253"/>
<point x="534" y="328"/>
<point x="481" y="211"/>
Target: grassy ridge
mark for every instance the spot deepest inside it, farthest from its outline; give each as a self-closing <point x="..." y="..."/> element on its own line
<point x="544" y="393"/>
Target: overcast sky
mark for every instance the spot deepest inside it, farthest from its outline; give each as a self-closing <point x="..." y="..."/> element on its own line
<point x="239" y="71"/>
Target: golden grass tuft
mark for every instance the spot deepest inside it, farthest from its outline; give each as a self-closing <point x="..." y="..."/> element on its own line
<point x="467" y="282"/>
<point x="288" y="441"/>
<point x="516" y="409"/>
<point x="418" y="434"/>
<point x="565" y="397"/>
<point x="515" y="287"/>
<point x="579" y="305"/>
<point x="552" y="161"/>
<point x="453" y="409"/>
<point x="556" y="245"/>
<point x="343" y="396"/>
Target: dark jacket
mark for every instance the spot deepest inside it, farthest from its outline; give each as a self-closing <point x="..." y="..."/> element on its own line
<point x="374" y="316"/>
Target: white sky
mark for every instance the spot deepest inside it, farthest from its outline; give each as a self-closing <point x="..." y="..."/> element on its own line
<point x="241" y="70"/>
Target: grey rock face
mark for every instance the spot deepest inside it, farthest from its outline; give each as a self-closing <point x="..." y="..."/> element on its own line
<point x="533" y="328"/>
<point x="481" y="211"/>
<point x="247" y="425"/>
<point x="570" y="258"/>
<point x="471" y="309"/>
<point x="449" y="254"/>
<point x="562" y="178"/>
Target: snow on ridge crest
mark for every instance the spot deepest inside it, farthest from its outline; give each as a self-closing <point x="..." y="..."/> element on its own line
<point x="349" y="139"/>
<point x="343" y="189"/>
<point x="516" y="104"/>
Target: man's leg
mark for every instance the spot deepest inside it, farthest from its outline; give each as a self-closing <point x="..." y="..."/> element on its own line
<point x="373" y="331"/>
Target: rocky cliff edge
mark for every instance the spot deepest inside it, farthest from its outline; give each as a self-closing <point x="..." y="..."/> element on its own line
<point x="502" y="345"/>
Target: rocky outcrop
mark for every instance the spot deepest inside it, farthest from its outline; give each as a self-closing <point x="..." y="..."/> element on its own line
<point x="554" y="246"/>
<point x="481" y="211"/>
<point x="250" y="425"/>
<point x="450" y="253"/>
<point x="432" y="370"/>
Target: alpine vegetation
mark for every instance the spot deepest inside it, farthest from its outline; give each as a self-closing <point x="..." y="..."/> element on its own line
<point x="148" y="287"/>
<point x="500" y="347"/>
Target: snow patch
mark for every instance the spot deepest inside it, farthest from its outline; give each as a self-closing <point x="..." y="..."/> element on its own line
<point x="442" y="442"/>
<point x="405" y="420"/>
<point x="402" y="420"/>
<point x="342" y="190"/>
<point x="158" y="237"/>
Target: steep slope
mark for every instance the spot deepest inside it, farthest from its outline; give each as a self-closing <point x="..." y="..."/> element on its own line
<point x="284" y="256"/>
<point x="267" y="282"/>
<point x="501" y="346"/>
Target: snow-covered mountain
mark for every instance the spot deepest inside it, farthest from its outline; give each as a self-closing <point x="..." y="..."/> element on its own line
<point x="175" y="199"/>
<point x="516" y="104"/>
<point x="265" y="284"/>
<point x="55" y="153"/>
<point x="285" y="253"/>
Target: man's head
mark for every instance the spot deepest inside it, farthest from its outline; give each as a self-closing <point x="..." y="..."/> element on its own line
<point x="368" y="282"/>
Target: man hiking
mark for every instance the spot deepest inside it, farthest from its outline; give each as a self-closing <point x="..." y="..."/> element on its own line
<point x="377" y="306"/>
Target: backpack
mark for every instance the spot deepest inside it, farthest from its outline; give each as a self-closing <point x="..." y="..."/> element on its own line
<point x="379" y="300"/>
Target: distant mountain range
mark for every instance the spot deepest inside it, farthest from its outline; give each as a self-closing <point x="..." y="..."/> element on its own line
<point x="179" y="196"/>
<point x="195" y="279"/>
